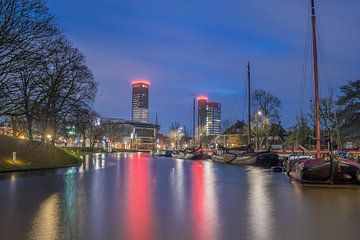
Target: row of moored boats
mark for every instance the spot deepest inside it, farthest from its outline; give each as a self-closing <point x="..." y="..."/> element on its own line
<point x="330" y="169"/>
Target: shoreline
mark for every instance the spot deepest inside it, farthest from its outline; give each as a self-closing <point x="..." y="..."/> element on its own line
<point x="78" y="164"/>
<point x="39" y="168"/>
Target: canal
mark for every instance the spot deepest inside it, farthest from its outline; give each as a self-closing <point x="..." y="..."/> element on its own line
<point x="137" y="196"/>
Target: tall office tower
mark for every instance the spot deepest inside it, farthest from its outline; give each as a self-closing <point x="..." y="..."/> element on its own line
<point x="213" y="119"/>
<point x="202" y="102"/>
<point x="140" y="101"/>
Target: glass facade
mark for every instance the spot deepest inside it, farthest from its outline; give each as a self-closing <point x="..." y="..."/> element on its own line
<point x="140" y="101"/>
<point x="202" y="102"/>
<point x="213" y="119"/>
<point x="124" y="134"/>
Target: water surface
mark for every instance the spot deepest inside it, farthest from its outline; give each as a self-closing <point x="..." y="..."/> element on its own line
<point x="136" y="196"/>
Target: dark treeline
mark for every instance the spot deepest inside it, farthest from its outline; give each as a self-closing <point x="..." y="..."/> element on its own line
<point x="44" y="81"/>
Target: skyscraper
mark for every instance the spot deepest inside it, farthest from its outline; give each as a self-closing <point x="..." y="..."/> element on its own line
<point x="140" y="101"/>
<point x="213" y="119"/>
<point x="202" y="101"/>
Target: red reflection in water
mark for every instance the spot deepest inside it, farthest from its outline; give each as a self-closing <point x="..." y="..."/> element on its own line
<point x="198" y="201"/>
<point x="138" y="202"/>
<point x="204" y="202"/>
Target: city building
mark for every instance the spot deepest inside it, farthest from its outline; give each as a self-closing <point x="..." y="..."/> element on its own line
<point x="140" y="101"/>
<point x="234" y="136"/>
<point x="209" y="117"/>
<point x="130" y="135"/>
<point x="275" y="137"/>
<point x="202" y="102"/>
<point x="5" y="128"/>
<point x="213" y="119"/>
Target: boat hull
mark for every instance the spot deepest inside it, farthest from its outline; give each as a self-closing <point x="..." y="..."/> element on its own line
<point x="196" y="156"/>
<point x="191" y="154"/>
<point x="323" y="171"/>
<point x="223" y="158"/>
<point x="178" y="154"/>
<point x="261" y="159"/>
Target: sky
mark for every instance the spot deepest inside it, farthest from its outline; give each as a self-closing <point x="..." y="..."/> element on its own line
<point x="203" y="46"/>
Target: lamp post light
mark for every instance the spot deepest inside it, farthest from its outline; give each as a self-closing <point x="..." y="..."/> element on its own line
<point x="178" y="136"/>
<point x="257" y="114"/>
<point x="49" y="137"/>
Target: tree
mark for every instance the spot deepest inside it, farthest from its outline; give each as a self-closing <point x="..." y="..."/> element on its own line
<point x="268" y="104"/>
<point x="176" y="133"/>
<point x="328" y="118"/>
<point x="349" y="110"/>
<point x="299" y="134"/>
<point x="44" y="80"/>
<point x="85" y="122"/>
<point x="26" y="97"/>
<point x="25" y="27"/>
<point x="67" y="85"/>
<point x="225" y="124"/>
<point x="268" y="107"/>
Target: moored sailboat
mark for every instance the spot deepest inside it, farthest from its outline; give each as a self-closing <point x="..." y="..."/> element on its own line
<point x="323" y="170"/>
<point x="195" y="153"/>
<point x="246" y="156"/>
<point x="227" y="155"/>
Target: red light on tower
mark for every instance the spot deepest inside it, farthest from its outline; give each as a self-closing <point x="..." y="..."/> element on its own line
<point x="202" y="98"/>
<point x="144" y="82"/>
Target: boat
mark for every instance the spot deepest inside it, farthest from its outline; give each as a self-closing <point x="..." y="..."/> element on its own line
<point x="246" y="155"/>
<point x="178" y="154"/>
<point x="323" y="170"/>
<point x="191" y="153"/>
<point x="289" y="161"/>
<point x="328" y="170"/>
<point x="293" y="158"/>
<point x="265" y="159"/>
<point x="164" y="153"/>
<point x="196" y="153"/>
<point x="226" y="155"/>
<point x="222" y="156"/>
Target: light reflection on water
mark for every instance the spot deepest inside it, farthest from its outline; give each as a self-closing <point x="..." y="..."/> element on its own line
<point x="260" y="205"/>
<point x="135" y="196"/>
<point x="138" y="209"/>
<point x="46" y="222"/>
<point x="204" y="201"/>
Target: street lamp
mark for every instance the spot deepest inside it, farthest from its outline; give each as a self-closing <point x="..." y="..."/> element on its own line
<point x="257" y="114"/>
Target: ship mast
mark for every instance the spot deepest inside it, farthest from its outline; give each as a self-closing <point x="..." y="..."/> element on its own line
<point x="316" y="79"/>
<point x="193" y="120"/>
<point x="249" y="105"/>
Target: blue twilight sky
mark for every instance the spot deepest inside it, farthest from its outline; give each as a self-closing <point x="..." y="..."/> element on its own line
<point x="203" y="46"/>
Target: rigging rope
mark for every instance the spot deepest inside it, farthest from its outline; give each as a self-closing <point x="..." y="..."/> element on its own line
<point x="304" y="72"/>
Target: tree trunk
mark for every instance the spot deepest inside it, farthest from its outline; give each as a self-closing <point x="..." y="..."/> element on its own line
<point x="29" y="121"/>
<point x="84" y="139"/>
<point x="14" y="126"/>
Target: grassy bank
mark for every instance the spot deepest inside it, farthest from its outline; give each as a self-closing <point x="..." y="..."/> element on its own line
<point x="33" y="155"/>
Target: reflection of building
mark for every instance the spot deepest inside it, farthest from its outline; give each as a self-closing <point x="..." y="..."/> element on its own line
<point x="140" y="101"/>
<point x="202" y="102"/>
<point x="213" y="119"/>
<point x="123" y="134"/>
